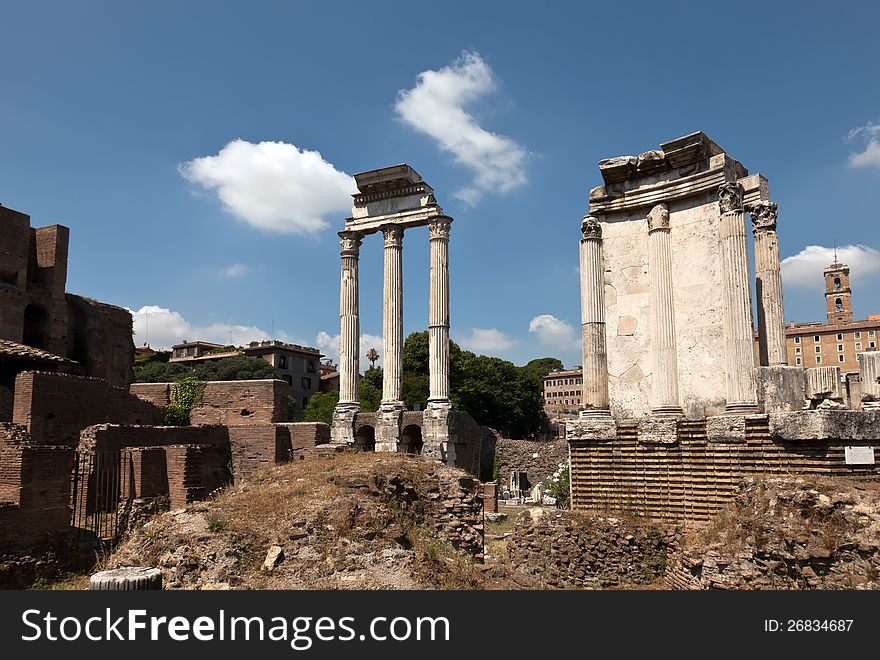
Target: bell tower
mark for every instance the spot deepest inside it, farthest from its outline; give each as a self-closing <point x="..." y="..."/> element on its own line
<point x="838" y="295"/>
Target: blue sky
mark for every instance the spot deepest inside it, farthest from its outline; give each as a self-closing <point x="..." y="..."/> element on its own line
<point x="116" y="120"/>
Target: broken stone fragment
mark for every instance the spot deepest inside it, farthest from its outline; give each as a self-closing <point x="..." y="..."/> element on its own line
<point x="274" y="556"/>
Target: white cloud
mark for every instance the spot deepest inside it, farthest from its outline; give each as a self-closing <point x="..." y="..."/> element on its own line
<point x="163" y="328"/>
<point x="235" y="270"/>
<point x="869" y="136"/>
<point x="804" y="269"/>
<point x="555" y="332"/>
<point x="329" y="345"/>
<point x="486" y="340"/>
<point x="273" y="186"/>
<point x="436" y="107"/>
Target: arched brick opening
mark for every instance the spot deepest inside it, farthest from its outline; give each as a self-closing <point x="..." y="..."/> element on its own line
<point x="411" y="440"/>
<point x="365" y="440"/>
<point x="36" y="326"/>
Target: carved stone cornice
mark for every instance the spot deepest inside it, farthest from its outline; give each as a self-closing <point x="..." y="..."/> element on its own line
<point x="658" y="218"/>
<point x="730" y="197"/>
<point x="350" y="241"/>
<point x="590" y="228"/>
<point x="393" y="235"/>
<point x="439" y="227"/>
<point x="763" y="216"/>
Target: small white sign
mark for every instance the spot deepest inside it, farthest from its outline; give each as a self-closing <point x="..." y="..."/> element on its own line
<point x="859" y="455"/>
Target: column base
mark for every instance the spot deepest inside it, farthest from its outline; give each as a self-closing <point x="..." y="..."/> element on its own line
<point x="342" y="424"/>
<point x="594" y="413"/>
<point x="741" y="409"/>
<point x="667" y="411"/>
<point x="436" y="431"/>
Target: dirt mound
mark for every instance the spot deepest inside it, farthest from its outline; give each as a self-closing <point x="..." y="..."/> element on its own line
<point x="787" y="533"/>
<point x="349" y="521"/>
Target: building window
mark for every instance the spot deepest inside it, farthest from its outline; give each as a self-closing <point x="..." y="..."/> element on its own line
<point x="872" y="344"/>
<point x="797" y="360"/>
<point x="818" y="349"/>
<point x="839" y="336"/>
<point x="840" y="358"/>
<point x="818" y="359"/>
<point x="858" y="345"/>
<point x="816" y="338"/>
<point x="871" y="333"/>
<point x="838" y="304"/>
<point x="840" y="348"/>
<point x="858" y="335"/>
<point x="282" y="362"/>
<point x="836" y="282"/>
<point x="797" y="340"/>
<point x="310" y="367"/>
<point x="306" y="383"/>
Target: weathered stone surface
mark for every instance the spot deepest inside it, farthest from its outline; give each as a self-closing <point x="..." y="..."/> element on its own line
<point x="619" y="168"/>
<point x="538" y="458"/>
<point x="590" y="429"/>
<point x="825" y="424"/>
<point x="823" y="383"/>
<point x="781" y="388"/>
<point x="658" y="430"/>
<point x="274" y="556"/>
<point x="869" y="372"/>
<point x="128" y="578"/>
<point x="626" y="326"/>
<point x="726" y="428"/>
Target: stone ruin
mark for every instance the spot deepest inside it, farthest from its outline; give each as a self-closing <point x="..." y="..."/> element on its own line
<point x="391" y="200"/>
<point x="676" y="407"/>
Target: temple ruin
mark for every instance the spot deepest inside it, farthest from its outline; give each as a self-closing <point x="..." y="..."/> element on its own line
<point x="676" y="408"/>
<point x="391" y="200"/>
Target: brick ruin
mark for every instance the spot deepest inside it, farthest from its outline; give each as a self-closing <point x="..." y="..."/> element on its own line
<point x="677" y="408"/>
<point x="44" y="327"/>
<point x="61" y="421"/>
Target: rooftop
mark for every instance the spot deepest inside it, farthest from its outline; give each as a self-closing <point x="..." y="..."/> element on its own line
<point x="12" y="349"/>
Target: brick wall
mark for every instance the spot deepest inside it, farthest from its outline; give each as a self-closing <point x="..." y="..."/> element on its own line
<point x="56" y="407"/>
<point x="194" y="471"/>
<point x="99" y="337"/>
<point x="539" y="458"/>
<point x="242" y="403"/>
<point x="159" y="394"/>
<point x="112" y="437"/>
<point x="306" y="435"/>
<point x="690" y="480"/>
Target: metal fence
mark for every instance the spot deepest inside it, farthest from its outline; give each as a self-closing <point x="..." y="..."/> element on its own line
<point x="102" y="492"/>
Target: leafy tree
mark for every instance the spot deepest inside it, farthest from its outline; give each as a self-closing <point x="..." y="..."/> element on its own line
<point x="141" y="359"/>
<point x="240" y="367"/>
<point x="373" y="376"/>
<point x="160" y="372"/>
<point x="372" y="356"/>
<point x="369" y="396"/>
<point x="540" y="367"/>
<point x="320" y="407"/>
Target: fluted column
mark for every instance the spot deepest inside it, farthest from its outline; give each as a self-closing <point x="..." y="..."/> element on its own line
<point x="869" y="374"/>
<point x="392" y="326"/>
<point x="349" y="321"/>
<point x="768" y="285"/>
<point x="438" y="318"/>
<point x="595" y="358"/>
<point x="664" y="359"/>
<point x="739" y="345"/>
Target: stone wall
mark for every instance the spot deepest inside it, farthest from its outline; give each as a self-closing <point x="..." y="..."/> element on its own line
<point x="99" y="338"/>
<point x="195" y="471"/>
<point x="241" y="403"/>
<point x="102" y="438"/>
<point x="568" y="550"/>
<point x="540" y="458"/>
<point x="54" y="408"/>
<point x="690" y="478"/>
<point x="159" y="394"/>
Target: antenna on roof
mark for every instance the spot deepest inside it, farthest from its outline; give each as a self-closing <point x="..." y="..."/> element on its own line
<point x="835" y="250"/>
<point x="273" y="329"/>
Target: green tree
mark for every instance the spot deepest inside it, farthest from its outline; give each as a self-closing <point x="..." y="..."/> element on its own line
<point x="160" y="372"/>
<point x="320" y="407"/>
<point x="372" y="356"/>
<point x="240" y="367"/>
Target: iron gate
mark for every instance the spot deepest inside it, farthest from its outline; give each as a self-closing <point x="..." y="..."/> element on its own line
<point x="102" y="492"/>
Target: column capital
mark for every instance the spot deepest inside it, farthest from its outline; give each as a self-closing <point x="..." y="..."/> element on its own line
<point x="730" y="197"/>
<point x="590" y="228"/>
<point x="439" y="227"/>
<point x="350" y="241"/>
<point x="393" y="235"/>
<point x="658" y="218"/>
<point x="763" y="216"/>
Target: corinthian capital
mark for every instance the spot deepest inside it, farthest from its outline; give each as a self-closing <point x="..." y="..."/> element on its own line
<point x="350" y="241"/>
<point x="393" y="235"/>
<point x="763" y="216"/>
<point x="439" y="227"/>
<point x="658" y="218"/>
<point x="590" y="227"/>
<point x="730" y="197"/>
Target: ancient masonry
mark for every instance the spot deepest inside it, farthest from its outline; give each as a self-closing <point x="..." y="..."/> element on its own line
<point x="675" y="407"/>
<point x="391" y="200"/>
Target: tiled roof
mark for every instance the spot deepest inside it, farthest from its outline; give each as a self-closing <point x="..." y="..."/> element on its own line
<point x="13" y="349"/>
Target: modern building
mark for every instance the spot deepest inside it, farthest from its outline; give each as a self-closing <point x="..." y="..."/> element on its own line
<point x="838" y="342"/>
<point x="298" y="366"/>
<point x="562" y="393"/>
<point x="329" y="377"/>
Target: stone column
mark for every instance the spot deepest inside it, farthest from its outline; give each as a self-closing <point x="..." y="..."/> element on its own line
<point x="392" y="327"/>
<point x="664" y="358"/>
<point x="737" y="303"/>
<point x="438" y="317"/>
<point x="349" y="340"/>
<point x="768" y="281"/>
<point x="869" y="374"/>
<point x="595" y="358"/>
